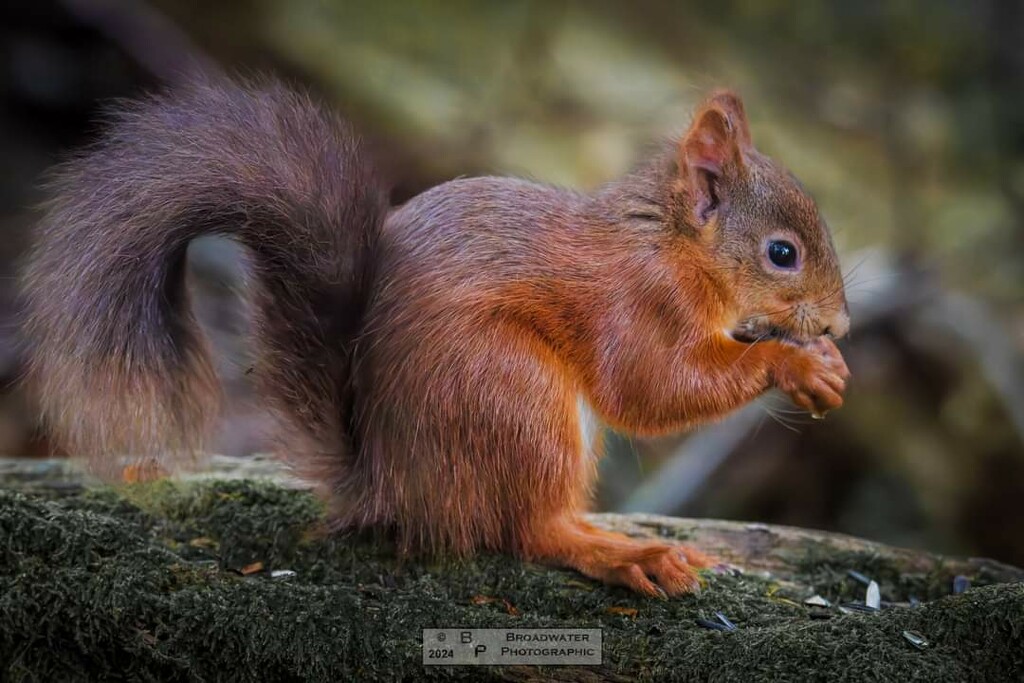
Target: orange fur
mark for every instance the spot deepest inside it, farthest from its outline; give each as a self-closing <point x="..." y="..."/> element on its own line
<point x="430" y="363"/>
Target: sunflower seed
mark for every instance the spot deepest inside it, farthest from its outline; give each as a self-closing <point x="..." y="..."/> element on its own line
<point x="873" y="599"/>
<point x="915" y="639"/>
<point x="856" y="607"/>
<point x="817" y="601"/>
<point x="725" y="621"/>
<point x="857" y="576"/>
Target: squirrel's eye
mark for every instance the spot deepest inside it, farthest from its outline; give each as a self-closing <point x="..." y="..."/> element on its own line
<point x="782" y="253"/>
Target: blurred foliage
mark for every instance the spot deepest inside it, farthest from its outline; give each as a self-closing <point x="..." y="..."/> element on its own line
<point x="905" y="120"/>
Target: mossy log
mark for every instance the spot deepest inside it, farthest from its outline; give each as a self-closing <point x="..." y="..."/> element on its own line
<point x="175" y="581"/>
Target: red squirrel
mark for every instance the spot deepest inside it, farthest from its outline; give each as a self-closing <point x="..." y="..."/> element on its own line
<point x="436" y="367"/>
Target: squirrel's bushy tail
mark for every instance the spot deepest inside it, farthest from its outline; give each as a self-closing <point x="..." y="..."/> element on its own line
<point x="113" y="351"/>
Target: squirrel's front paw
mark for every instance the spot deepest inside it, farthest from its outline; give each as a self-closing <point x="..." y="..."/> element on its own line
<point x="814" y="376"/>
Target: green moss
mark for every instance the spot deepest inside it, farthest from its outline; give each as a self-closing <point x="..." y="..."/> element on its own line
<point x="145" y="584"/>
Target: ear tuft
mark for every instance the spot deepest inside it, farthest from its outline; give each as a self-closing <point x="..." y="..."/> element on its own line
<point x="715" y="142"/>
<point x="710" y="144"/>
<point x="718" y="134"/>
<point x="731" y="105"/>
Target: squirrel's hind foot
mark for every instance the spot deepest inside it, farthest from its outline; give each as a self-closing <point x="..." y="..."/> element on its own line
<point x="652" y="568"/>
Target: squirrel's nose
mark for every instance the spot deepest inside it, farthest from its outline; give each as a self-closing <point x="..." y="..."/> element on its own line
<point x="838" y="325"/>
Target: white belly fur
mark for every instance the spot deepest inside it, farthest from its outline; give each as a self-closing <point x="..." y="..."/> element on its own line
<point x="590" y="425"/>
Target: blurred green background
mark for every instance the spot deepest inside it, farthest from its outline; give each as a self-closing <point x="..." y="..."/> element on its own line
<point x="904" y="119"/>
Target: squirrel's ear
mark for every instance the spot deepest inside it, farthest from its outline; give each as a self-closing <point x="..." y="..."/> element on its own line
<point x="730" y="104"/>
<point x="713" y="145"/>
